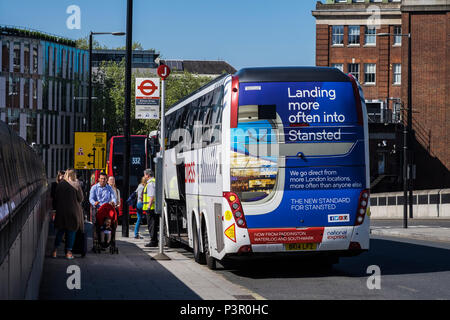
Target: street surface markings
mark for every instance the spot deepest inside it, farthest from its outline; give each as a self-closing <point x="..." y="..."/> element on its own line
<point x="407" y="288"/>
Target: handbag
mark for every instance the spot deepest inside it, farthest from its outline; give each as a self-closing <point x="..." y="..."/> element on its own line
<point x="132" y="199"/>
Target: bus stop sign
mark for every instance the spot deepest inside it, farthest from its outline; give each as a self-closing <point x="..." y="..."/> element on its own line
<point x="163" y="71"/>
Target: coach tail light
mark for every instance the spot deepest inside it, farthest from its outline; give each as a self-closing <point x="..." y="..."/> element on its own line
<point x="236" y="207"/>
<point x="362" y="207"/>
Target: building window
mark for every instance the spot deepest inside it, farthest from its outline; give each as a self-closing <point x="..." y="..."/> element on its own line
<point x="26" y="57"/>
<point x="397" y="73"/>
<point x="370" y="73"/>
<point x="397" y="35"/>
<point x="26" y="93"/>
<point x="337" y="35"/>
<point x="16" y="57"/>
<point x="35" y="59"/>
<point x="34" y="93"/>
<point x="13" y="99"/>
<point x="353" y="68"/>
<point x="370" y="36"/>
<point x="5" y="55"/>
<point x="339" y="66"/>
<point x="353" y="35"/>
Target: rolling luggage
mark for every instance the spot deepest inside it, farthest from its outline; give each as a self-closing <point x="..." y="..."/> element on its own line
<point x="80" y="244"/>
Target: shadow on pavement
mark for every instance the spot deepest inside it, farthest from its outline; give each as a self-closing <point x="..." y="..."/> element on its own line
<point x="393" y="258"/>
<point x="130" y="275"/>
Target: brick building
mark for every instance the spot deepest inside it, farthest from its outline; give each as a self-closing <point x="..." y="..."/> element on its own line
<point x="346" y="38"/>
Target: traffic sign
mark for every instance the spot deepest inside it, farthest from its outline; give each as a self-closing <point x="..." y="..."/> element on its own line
<point x="90" y="150"/>
<point x="163" y="71"/>
<point x="147" y="88"/>
<point x="147" y="98"/>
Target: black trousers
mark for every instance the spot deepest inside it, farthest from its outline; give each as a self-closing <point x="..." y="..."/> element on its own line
<point x="153" y="225"/>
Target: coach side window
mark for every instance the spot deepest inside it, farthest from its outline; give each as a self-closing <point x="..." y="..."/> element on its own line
<point x="194" y="109"/>
<point x="216" y="119"/>
<point x="177" y="123"/>
<point x="169" y="129"/>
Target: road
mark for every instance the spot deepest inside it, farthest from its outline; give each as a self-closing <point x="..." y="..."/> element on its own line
<point x="398" y="223"/>
<point x="410" y="269"/>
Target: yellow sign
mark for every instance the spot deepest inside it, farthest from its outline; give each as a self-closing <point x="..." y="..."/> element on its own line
<point x="228" y="215"/>
<point x="230" y="233"/>
<point x="90" y="150"/>
<point x="300" y="246"/>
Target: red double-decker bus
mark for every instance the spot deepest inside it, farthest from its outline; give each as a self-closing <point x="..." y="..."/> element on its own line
<point x="139" y="161"/>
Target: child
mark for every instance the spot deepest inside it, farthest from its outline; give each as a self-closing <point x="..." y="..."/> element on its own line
<point x="105" y="232"/>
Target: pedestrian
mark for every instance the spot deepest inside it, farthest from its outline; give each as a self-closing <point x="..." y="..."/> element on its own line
<point x="102" y="193"/>
<point x="112" y="183"/>
<point x="139" y="206"/>
<point x="105" y="232"/>
<point x="69" y="216"/>
<point x="59" y="177"/>
<point x="148" y="198"/>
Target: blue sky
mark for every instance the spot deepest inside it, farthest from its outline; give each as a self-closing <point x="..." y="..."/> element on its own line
<point x="241" y="32"/>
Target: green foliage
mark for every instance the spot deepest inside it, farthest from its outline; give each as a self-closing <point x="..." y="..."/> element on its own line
<point x="83" y="43"/>
<point x="109" y="88"/>
<point x="180" y="84"/>
<point x="135" y="46"/>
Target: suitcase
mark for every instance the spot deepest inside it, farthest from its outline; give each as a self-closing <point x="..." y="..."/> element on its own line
<point x="80" y="244"/>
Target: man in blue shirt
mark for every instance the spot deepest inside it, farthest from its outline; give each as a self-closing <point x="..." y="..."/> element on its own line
<point x="102" y="193"/>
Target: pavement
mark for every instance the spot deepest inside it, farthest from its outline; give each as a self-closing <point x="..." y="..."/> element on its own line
<point x="134" y="274"/>
<point x="418" y="232"/>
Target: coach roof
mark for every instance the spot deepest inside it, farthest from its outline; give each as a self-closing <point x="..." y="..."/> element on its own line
<point x="292" y="74"/>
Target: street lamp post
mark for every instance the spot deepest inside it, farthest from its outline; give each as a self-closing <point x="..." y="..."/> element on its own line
<point x="127" y="121"/>
<point x="407" y="138"/>
<point x="90" y="73"/>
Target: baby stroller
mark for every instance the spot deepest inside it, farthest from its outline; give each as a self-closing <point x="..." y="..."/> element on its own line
<point x="105" y="211"/>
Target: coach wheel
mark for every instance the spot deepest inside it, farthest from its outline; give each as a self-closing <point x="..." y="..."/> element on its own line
<point x="210" y="261"/>
<point x="198" y="256"/>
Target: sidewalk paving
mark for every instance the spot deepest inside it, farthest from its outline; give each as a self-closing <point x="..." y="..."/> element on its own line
<point x="414" y="232"/>
<point x="133" y="274"/>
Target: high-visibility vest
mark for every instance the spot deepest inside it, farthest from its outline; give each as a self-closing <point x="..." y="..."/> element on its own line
<point x="145" y="197"/>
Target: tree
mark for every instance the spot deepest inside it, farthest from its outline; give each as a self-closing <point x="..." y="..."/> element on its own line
<point x="135" y="46"/>
<point x="109" y="88"/>
<point x="83" y="43"/>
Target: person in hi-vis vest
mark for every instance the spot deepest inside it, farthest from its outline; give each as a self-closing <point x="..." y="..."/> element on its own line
<point x="149" y="208"/>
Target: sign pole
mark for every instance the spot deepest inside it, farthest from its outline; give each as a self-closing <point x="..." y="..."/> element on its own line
<point x="126" y="124"/>
<point x="161" y="255"/>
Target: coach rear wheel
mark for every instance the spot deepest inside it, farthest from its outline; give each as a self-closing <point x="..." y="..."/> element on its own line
<point x="199" y="257"/>
<point x="210" y="261"/>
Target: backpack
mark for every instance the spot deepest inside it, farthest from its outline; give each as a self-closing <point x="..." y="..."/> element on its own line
<point x="132" y="199"/>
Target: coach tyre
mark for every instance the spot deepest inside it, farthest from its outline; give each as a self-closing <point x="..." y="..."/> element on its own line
<point x="199" y="257"/>
<point x="210" y="261"/>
